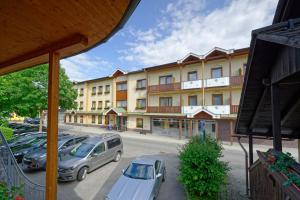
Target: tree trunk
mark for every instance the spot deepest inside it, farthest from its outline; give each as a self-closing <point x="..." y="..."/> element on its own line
<point x="41" y="121"/>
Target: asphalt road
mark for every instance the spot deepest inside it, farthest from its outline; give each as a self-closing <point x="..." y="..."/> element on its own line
<point x="98" y="183"/>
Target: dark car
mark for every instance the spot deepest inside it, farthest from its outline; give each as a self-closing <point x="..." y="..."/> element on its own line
<point x="36" y="158"/>
<point x="19" y="150"/>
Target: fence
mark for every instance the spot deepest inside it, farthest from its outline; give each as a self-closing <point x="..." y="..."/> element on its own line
<point x="13" y="176"/>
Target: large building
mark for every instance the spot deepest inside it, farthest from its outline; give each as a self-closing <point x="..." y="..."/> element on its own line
<point x="174" y="99"/>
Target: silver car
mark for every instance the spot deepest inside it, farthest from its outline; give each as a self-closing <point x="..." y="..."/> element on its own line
<point x="90" y="155"/>
<point x="140" y="181"/>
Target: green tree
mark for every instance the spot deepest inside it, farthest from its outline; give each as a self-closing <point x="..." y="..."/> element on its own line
<point x="26" y="92"/>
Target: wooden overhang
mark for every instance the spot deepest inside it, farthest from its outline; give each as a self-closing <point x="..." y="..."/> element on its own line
<point x="37" y="32"/>
<point x="273" y="68"/>
<point x="31" y="29"/>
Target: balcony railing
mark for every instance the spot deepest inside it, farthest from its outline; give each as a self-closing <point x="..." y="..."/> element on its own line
<point x="217" y="82"/>
<point x="234" y="109"/>
<point x="164" y="87"/>
<point x="191" y="84"/>
<point x="236" y="80"/>
<point x="215" y="109"/>
<point x="164" y="109"/>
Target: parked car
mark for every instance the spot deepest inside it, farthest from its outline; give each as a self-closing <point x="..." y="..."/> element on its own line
<point x="29" y="120"/>
<point x="36" y="158"/>
<point x="90" y="155"/>
<point x="140" y="181"/>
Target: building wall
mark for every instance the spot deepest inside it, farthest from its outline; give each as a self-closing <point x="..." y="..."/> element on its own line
<point x="133" y="94"/>
<point x="236" y="96"/>
<point x="190" y="68"/>
<point x="154" y="99"/>
<point x="208" y="96"/>
<point x="237" y="63"/>
<point x="185" y="98"/>
<point x="153" y="76"/>
<point x="131" y="122"/>
<point x="224" y="63"/>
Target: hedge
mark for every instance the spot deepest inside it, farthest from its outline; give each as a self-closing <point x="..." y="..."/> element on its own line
<point x="7" y="132"/>
<point x="201" y="171"/>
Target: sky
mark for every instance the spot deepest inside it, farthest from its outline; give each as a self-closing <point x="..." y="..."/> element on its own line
<point x="162" y="31"/>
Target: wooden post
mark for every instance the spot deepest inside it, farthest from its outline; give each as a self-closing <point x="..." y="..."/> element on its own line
<point x="231" y="128"/>
<point x="250" y="149"/>
<point x="276" y="123"/>
<point x="52" y="130"/>
<point x="190" y="128"/>
<point x="299" y="150"/>
<point x="180" y="128"/>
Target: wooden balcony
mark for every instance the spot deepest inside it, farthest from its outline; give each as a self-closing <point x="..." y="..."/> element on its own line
<point x="164" y="109"/>
<point x="165" y="87"/>
<point x="121" y="95"/>
<point x="234" y="109"/>
<point x="236" y="80"/>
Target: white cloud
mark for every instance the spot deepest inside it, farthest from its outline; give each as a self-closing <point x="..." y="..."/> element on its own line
<point x="186" y="26"/>
<point x="84" y="66"/>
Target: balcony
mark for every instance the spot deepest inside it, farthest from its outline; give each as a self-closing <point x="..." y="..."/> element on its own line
<point x="215" y="109"/>
<point x="191" y="84"/>
<point x="164" y="87"/>
<point x="234" y="109"/>
<point x="236" y="80"/>
<point x="164" y="109"/>
<point x="217" y="82"/>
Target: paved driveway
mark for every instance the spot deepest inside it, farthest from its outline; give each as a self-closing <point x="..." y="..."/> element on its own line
<point x="99" y="182"/>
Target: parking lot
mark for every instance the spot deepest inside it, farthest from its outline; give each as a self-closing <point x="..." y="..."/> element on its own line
<point x="98" y="183"/>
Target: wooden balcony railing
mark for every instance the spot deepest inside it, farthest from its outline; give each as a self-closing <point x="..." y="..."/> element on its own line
<point x="164" y="109"/>
<point x="164" y="87"/>
<point x="234" y="109"/>
<point x="236" y="80"/>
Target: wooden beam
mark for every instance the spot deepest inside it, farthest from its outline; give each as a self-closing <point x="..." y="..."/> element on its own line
<point x="7" y="67"/>
<point x="250" y="149"/>
<point x="290" y="108"/>
<point x="276" y="126"/>
<point x="261" y="102"/>
<point x="52" y="127"/>
<point x="291" y="41"/>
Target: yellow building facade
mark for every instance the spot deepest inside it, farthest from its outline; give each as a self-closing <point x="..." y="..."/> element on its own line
<point x="178" y="99"/>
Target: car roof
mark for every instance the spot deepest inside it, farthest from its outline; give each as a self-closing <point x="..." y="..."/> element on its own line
<point x="100" y="138"/>
<point x="146" y="160"/>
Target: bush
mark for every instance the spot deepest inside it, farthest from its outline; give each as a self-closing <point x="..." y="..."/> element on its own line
<point x="201" y="171"/>
<point x="7" y="132"/>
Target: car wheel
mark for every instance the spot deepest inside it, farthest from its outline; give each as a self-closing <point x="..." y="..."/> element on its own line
<point x="117" y="157"/>
<point x="82" y="174"/>
<point x="164" y="176"/>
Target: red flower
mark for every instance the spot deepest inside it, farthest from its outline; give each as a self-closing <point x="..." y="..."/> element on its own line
<point x="19" y="198"/>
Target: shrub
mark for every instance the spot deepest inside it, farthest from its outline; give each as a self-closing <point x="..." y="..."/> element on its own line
<point x="7" y="132"/>
<point x="201" y="171"/>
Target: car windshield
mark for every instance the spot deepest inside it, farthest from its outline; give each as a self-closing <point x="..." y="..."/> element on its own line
<point x="139" y="171"/>
<point x="82" y="150"/>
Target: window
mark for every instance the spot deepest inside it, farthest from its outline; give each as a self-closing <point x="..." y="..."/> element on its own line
<point x="217" y="99"/>
<point x="81" y="105"/>
<point x="94" y="90"/>
<point x="70" y="118"/>
<point x="141" y="103"/>
<point x="157" y="166"/>
<point x="139" y="122"/>
<point x="216" y="72"/>
<point x="193" y="100"/>
<point x="122" y="104"/>
<point x="165" y="101"/>
<point x="107" y="89"/>
<point x="107" y="104"/>
<point x="100" y="89"/>
<point x="93" y="119"/>
<point x="113" y="143"/>
<point x="99" y="149"/>
<point x="192" y="76"/>
<point x="75" y="119"/>
<point x="93" y="105"/>
<point x="121" y="86"/>
<point x="141" y="84"/>
<point x="69" y="143"/>
<point x="99" y="119"/>
<point x="80" y="139"/>
<point x="165" y="80"/>
<point x="81" y="91"/>
<point x="99" y="105"/>
<point x="81" y="119"/>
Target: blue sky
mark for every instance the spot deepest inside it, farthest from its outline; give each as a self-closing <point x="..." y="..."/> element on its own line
<point x="161" y="31"/>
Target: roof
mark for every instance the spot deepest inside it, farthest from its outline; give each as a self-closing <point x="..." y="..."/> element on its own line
<point x="286" y="9"/>
<point x="118" y="111"/>
<point x="274" y="58"/>
<point x="166" y="114"/>
<point x="32" y="29"/>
